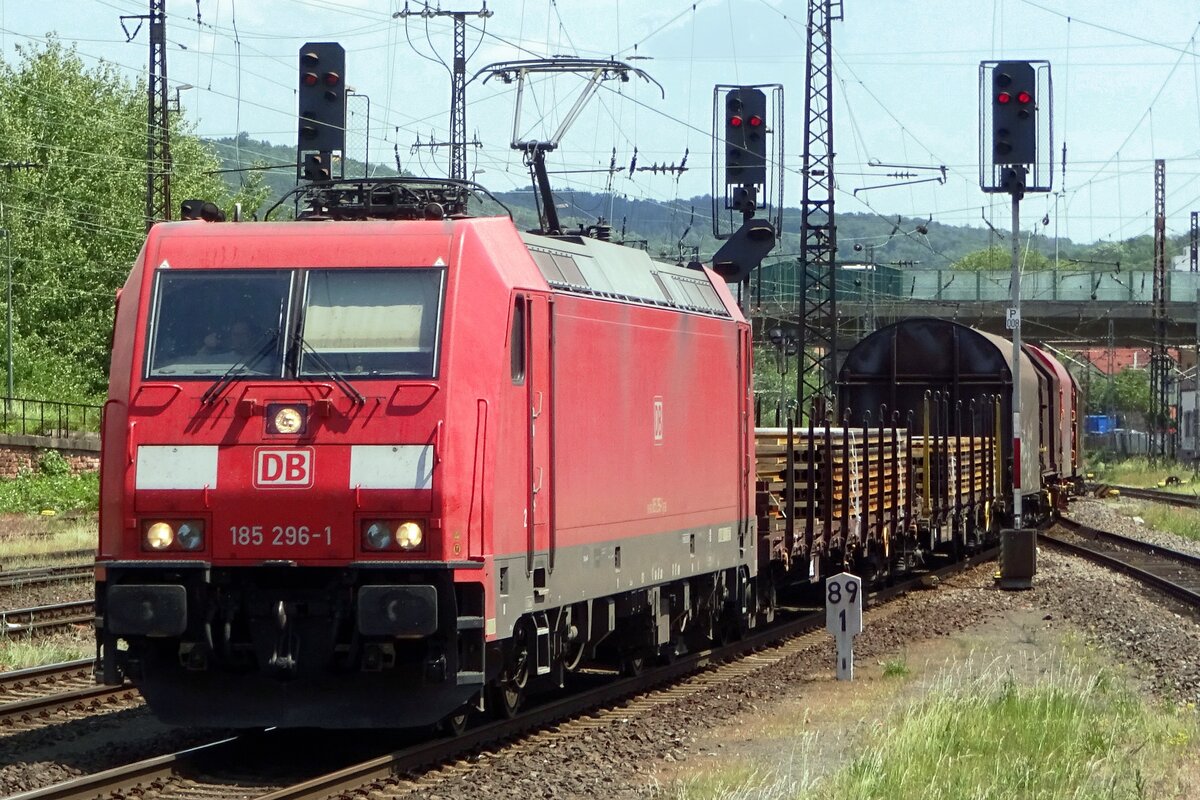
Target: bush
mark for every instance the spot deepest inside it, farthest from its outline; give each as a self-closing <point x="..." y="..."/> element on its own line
<point x="53" y="462"/>
<point x="38" y="491"/>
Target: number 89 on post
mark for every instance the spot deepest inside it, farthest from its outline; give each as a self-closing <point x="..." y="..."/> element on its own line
<point x="843" y="605"/>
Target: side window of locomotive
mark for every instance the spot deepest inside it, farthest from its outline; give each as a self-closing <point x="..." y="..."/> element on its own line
<point x="517" y="341"/>
<point x="206" y="322"/>
<point x="372" y="322"/>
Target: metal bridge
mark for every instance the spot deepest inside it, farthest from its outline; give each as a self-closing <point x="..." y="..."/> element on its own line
<point x="1069" y="306"/>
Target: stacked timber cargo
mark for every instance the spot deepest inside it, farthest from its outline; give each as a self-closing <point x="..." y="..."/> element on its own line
<point x="842" y="478"/>
<point x="947" y="469"/>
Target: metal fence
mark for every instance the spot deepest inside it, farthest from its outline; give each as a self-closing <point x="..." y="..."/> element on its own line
<point x="48" y="417"/>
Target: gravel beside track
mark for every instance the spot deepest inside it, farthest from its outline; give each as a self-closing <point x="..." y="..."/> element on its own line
<point x="48" y="594"/>
<point x="1105" y="515"/>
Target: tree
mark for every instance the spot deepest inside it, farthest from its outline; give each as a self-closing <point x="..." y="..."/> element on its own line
<point x="1000" y="258"/>
<point x="1128" y="392"/>
<point x="76" y="223"/>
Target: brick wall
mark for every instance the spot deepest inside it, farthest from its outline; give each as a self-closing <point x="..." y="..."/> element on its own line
<point x="23" y="453"/>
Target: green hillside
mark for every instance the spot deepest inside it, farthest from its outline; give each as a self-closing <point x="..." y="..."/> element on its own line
<point x="677" y="230"/>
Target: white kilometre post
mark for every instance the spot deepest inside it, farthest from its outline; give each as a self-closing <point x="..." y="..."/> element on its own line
<point x="843" y="618"/>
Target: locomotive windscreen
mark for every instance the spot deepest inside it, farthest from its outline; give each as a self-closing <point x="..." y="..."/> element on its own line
<point x="357" y="322"/>
<point x="204" y="322"/>
<point x="372" y="322"/>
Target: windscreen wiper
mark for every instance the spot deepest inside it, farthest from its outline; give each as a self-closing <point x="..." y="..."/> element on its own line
<point x="213" y="392"/>
<point x="339" y="380"/>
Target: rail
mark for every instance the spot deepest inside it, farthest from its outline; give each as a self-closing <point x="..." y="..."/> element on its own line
<point x="1170" y="571"/>
<point x="1169" y="498"/>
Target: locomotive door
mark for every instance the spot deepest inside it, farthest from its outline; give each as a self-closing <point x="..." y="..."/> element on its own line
<point x="539" y="511"/>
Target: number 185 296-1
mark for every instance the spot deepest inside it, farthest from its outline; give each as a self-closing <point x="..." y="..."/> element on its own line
<point x="279" y="535"/>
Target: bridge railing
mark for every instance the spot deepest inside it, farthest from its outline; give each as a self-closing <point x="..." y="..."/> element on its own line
<point x="26" y="417"/>
<point x="781" y="283"/>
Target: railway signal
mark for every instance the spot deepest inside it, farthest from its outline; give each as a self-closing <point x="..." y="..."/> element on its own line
<point x="322" y="97"/>
<point x="1014" y="113"/>
<point x="745" y="136"/>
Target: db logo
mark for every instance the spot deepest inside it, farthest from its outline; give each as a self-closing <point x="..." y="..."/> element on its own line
<point x="275" y="469"/>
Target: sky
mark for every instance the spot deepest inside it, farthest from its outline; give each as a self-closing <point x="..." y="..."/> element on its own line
<point x="1126" y="91"/>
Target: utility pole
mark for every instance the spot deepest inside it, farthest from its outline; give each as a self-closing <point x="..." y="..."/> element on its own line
<point x="458" y="81"/>
<point x="158" y="147"/>
<point x="1160" y="362"/>
<point x="818" y="231"/>
<point x="1195" y="241"/>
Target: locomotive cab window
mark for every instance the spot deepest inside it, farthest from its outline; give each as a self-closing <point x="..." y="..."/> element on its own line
<point x="206" y="323"/>
<point x="517" y="341"/>
<point x="371" y="322"/>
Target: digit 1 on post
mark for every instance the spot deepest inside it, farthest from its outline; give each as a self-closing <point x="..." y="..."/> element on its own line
<point x="843" y="618"/>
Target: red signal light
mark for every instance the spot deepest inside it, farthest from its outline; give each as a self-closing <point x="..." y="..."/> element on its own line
<point x="735" y="121"/>
<point x="756" y="121"/>
<point x="332" y="78"/>
<point x="1024" y="98"/>
<point x="1004" y="98"/>
<point x="310" y="79"/>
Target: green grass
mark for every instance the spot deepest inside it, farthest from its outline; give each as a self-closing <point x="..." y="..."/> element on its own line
<point x="895" y="668"/>
<point x="1180" y="521"/>
<point x="22" y="653"/>
<point x="1063" y="732"/>
<point x="1140" y="473"/>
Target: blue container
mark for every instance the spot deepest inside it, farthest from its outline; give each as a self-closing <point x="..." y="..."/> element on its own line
<point x="1100" y="423"/>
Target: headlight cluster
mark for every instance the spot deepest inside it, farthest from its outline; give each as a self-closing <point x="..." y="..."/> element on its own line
<point x="163" y="535"/>
<point x="386" y="534"/>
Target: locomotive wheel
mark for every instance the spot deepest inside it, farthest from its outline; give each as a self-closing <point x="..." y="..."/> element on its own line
<point x="505" y="699"/>
<point x="456" y="723"/>
<point x="508" y="693"/>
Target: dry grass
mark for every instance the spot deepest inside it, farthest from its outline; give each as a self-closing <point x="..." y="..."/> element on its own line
<point x="33" y="543"/>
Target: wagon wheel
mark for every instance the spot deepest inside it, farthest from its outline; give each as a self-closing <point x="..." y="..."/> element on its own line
<point x="508" y="693"/>
<point x="632" y="665"/>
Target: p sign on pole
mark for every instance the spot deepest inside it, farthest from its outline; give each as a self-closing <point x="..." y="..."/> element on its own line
<point x="843" y="618"/>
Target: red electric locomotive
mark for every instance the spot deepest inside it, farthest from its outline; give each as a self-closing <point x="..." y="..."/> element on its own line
<point x="375" y="472"/>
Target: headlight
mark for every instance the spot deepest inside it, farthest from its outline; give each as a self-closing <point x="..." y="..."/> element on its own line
<point x="409" y="536"/>
<point x="378" y="536"/>
<point x="159" y="536"/>
<point x="288" y="420"/>
<point x="190" y="536"/>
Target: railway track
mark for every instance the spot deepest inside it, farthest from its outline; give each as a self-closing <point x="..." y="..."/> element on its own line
<point x="36" y="576"/>
<point x="1160" y="496"/>
<point x="193" y="773"/>
<point x="1172" y="571"/>
<point x="48" y="693"/>
<point x="39" y="619"/>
